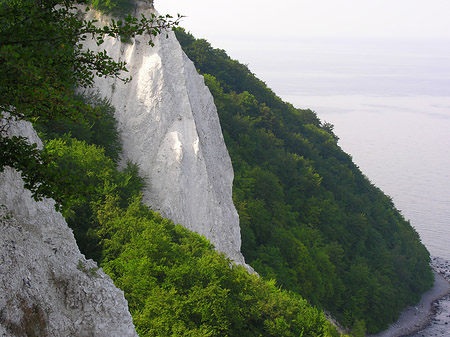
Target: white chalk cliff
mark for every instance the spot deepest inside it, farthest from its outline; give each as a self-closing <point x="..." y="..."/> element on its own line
<point x="169" y="126"/>
<point x="47" y="287"/>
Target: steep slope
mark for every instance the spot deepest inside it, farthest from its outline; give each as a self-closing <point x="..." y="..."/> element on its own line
<point x="169" y="126"/>
<point x="48" y="288"/>
<point x="309" y="217"/>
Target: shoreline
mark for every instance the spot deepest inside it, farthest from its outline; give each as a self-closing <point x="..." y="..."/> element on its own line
<point x="416" y="318"/>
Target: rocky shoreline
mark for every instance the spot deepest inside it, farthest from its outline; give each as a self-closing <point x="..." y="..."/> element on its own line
<point x="439" y="321"/>
<point x="431" y="316"/>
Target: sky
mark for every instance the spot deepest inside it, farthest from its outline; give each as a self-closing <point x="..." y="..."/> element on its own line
<point x="369" y="58"/>
<point x="256" y="32"/>
<point x="219" y="21"/>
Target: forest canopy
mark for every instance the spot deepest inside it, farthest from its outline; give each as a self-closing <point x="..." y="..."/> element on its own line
<point x="310" y="221"/>
<point x="174" y="281"/>
<point x="309" y="218"/>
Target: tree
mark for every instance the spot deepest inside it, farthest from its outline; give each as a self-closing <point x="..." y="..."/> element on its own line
<point x="42" y="61"/>
<point x="307" y="212"/>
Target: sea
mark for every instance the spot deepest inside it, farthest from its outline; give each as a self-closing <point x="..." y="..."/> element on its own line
<point x="389" y="102"/>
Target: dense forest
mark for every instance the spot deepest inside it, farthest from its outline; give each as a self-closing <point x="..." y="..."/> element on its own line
<point x="175" y="282"/>
<point x="309" y="218"/>
<point x="321" y="236"/>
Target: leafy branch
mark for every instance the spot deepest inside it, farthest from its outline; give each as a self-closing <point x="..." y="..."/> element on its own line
<point x="42" y="60"/>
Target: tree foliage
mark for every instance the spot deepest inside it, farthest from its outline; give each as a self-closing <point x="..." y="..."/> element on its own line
<point x="42" y="61"/>
<point x="118" y="8"/>
<point x="309" y="218"/>
<point x="177" y="285"/>
<point x="99" y="128"/>
<point x="175" y="282"/>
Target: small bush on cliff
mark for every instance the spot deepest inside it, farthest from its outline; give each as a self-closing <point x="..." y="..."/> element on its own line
<point x="118" y="8"/>
<point x="92" y="177"/>
<point x="99" y="128"/>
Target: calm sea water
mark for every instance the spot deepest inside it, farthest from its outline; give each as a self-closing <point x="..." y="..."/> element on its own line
<point x="390" y="103"/>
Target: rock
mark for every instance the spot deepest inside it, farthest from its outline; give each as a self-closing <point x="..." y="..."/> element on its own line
<point x="169" y="126"/>
<point x="47" y="287"/>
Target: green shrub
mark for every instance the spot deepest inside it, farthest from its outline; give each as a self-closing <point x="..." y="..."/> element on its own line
<point x="177" y="285"/>
<point x="119" y="8"/>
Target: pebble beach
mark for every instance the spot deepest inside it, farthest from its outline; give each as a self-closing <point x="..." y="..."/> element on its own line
<point x="439" y="323"/>
<point x="431" y="316"/>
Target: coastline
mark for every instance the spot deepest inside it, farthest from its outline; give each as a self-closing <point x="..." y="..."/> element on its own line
<point x="414" y="319"/>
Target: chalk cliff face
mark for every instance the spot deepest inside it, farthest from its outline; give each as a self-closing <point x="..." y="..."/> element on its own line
<point x="47" y="287"/>
<point x="169" y="126"/>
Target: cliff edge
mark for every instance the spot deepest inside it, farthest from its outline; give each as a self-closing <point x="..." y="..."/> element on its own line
<point x="169" y="126"/>
<point x="48" y="288"/>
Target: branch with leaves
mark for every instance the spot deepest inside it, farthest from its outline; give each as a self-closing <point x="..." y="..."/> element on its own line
<point x="43" y="60"/>
<point x="42" y="55"/>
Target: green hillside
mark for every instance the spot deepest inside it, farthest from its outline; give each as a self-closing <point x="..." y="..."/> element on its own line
<point x="312" y="225"/>
<point x="309" y="218"/>
<point x="175" y="283"/>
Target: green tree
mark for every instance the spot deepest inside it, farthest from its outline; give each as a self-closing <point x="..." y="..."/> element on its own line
<point x="177" y="285"/>
<point x="116" y="7"/>
<point x="92" y="178"/>
<point x="310" y="219"/>
<point x="99" y="128"/>
<point x="42" y="60"/>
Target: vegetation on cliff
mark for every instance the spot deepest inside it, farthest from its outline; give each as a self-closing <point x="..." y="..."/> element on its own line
<point x="42" y="60"/>
<point x="175" y="283"/>
<point x="309" y="218"/>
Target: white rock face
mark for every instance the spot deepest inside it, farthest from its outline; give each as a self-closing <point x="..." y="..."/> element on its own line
<point x="47" y="287"/>
<point x="169" y="126"/>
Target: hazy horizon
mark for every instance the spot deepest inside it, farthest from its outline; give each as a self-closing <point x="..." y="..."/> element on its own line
<point x="383" y="82"/>
<point x="389" y="101"/>
<point x="252" y="18"/>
